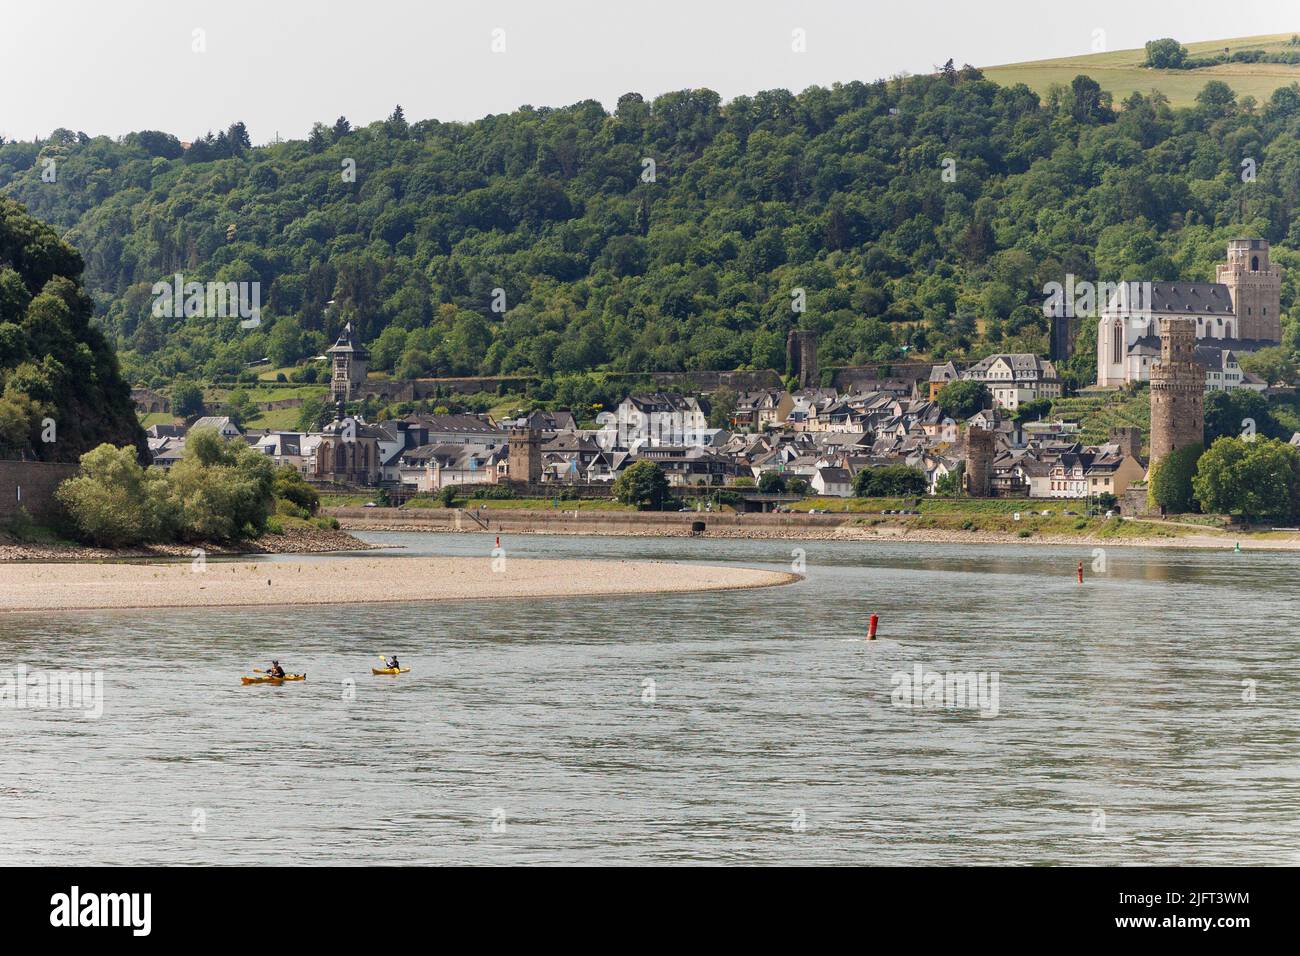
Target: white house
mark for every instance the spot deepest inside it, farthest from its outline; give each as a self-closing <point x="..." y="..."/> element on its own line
<point x="832" y="483"/>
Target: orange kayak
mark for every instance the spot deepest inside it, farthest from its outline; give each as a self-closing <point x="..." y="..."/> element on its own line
<point x="267" y="679"/>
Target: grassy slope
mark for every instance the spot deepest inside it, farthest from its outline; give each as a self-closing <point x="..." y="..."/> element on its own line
<point x="1121" y="72"/>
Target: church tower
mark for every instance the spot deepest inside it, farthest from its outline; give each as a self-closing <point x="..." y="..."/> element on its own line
<point x="1256" y="289"/>
<point x="349" y="366"/>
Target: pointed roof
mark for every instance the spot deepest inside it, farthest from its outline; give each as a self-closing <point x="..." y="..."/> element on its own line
<point x="348" y="342"/>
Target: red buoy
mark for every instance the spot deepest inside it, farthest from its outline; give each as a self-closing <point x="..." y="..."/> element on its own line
<point x="1080" y="572"/>
<point x="871" y="630"/>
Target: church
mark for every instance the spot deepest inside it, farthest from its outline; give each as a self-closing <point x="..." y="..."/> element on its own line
<point x="1240" y="312"/>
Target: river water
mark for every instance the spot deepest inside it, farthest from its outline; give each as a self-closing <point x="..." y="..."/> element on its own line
<point x="1148" y="716"/>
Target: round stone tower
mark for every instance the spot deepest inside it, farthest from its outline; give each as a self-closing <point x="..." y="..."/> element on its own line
<point x="1177" y="391"/>
<point x="979" y="462"/>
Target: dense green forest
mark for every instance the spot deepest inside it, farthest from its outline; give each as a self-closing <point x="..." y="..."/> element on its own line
<point x="670" y="234"/>
<point x="61" y="392"/>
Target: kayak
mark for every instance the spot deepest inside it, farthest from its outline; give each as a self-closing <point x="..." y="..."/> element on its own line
<point x="389" y="670"/>
<point x="264" y="679"/>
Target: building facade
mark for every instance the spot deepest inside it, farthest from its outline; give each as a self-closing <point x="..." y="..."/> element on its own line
<point x="1015" y="378"/>
<point x="1239" y="312"/>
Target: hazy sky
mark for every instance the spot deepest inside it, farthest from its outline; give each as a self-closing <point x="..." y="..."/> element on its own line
<point x="112" y="66"/>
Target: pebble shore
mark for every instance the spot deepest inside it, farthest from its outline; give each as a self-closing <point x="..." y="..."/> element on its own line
<point x="70" y="586"/>
<point x="293" y="541"/>
<point x="851" y="533"/>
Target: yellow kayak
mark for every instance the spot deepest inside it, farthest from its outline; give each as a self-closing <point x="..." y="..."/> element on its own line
<point x="272" y="680"/>
<point x="389" y="670"/>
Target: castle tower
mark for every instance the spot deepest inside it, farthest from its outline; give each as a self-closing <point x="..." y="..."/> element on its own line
<point x="525" y="458"/>
<point x="979" y="462"/>
<point x="1255" y="287"/>
<point x="350" y="359"/>
<point x="1177" y="391"/>
<point x="801" y="356"/>
<point x="1061" y="346"/>
<point x="1128" y="438"/>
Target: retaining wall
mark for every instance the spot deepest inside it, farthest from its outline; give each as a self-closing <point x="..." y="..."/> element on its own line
<point x="31" y="484"/>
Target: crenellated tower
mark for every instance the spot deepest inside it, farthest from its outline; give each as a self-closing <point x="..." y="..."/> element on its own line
<point x="1255" y="287"/>
<point x="1177" y="391"/>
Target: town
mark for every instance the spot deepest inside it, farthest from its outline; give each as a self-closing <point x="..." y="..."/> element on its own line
<point x="778" y="444"/>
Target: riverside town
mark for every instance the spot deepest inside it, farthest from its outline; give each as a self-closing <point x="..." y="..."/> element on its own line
<point x="545" y="434"/>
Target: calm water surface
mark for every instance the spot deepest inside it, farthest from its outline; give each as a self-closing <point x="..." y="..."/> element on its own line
<point x="1121" y="736"/>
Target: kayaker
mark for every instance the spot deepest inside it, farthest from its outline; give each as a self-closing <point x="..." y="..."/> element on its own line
<point x="275" y="670"/>
<point x="392" y="662"/>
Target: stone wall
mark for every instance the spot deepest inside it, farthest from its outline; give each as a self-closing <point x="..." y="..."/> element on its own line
<point x="573" y="520"/>
<point x="741" y="380"/>
<point x="847" y="377"/>
<point x="36" y="480"/>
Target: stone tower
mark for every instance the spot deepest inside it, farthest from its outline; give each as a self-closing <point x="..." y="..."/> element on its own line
<point x="1061" y="346"/>
<point x="1128" y="438"/>
<point x="350" y="359"/>
<point x="801" y="356"/>
<point x="525" y="458"/>
<point x="1177" y="391"/>
<point x="1255" y="287"/>
<point x="979" y="461"/>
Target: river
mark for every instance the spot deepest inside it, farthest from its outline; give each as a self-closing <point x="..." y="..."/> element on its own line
<point x="1148" y="716"/>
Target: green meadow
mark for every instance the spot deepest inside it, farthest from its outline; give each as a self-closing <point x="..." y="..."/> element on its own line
<point x="1120" y="72"/>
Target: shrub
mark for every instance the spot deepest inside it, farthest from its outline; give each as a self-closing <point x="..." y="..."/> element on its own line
<point x="287" y="508"/>
<point x="642" y="484"/>
<point x="222" y="490"/>
<point x="1166" y="54"/>
<point x="492" y="492"/>
<point x="290" y="487"/>
<point x="963" y="398"/>
<point x="1255" y="479"/>
<point x="1171" y="479"/>
<point x="21" y="527"/>
<point x="889" y="481"/>
<point x="113" y="502"/>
